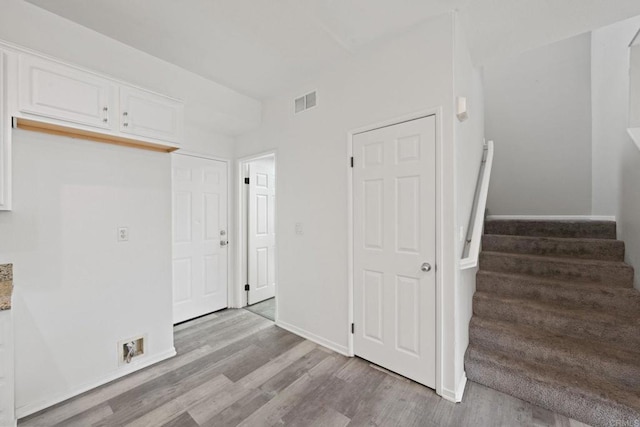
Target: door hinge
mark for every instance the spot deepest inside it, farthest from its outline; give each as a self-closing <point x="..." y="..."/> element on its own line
<point x="246" y="180"/>
<point x="246" y="287"/>
<point x="353" y="328"/>
<point x="351" y="161"/>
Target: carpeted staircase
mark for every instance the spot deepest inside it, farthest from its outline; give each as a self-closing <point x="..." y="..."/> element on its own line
<point x="556" y="320"/>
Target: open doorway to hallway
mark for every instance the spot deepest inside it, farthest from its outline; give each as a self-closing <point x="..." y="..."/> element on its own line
<point x="258" y="234"/>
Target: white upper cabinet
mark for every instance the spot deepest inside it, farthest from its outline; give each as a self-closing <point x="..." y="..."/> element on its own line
<point x="65" y="98"/>
<point x="149" y="115"/>
<point x="54" y="90"/>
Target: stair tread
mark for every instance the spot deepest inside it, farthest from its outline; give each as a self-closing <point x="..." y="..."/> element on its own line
<point x="572" y="312"/>
<point x="586" y="386"/>
<point x="566" y="247"/>
<point x="560" y="228"/>
<point x="560" y="239"/>
<point x="557" y="342"/>
<point x="547" y="258"/>
<point x="582" y="286"/>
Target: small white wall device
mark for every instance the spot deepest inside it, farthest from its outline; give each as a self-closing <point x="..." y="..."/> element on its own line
<point x="461" y="108"/>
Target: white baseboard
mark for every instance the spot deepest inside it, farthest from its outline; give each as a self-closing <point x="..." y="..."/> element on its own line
<point x="13" y="423"/>
<point x="456" y="396"/>
<point x="32" y="408"/>
<point x="313" y="337"/>
<point x="554" y="217"/>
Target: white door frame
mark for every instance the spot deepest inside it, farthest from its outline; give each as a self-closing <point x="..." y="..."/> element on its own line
<point x="437" y="112"/>
<point x="229" y="217"/>
<point x="238" y="288"/>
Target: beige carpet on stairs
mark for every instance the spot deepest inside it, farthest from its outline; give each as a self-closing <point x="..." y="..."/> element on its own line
<point x="556" y="320"/>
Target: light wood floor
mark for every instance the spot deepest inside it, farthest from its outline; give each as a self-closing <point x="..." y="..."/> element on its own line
<point x="266" y="308"/>
<point x="237" y="368"/>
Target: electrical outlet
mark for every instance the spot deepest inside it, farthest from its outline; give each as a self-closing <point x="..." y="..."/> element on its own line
<point x="299" y="230"/>
<point x="123" y="234"/>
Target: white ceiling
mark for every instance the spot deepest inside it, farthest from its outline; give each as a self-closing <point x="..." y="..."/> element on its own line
<point x="260" y="47"/>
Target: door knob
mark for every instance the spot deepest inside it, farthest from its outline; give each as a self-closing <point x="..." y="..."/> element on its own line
<point x="223" y="243"/>
<point x="425" y="266"/>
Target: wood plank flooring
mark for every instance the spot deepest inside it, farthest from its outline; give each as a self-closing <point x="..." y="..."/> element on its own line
<point x="266" y="308"/>
<point x="237" y="368"/>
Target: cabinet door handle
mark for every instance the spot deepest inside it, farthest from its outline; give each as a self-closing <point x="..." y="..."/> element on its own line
<point x="126" y="119"/>
<point x="106" y="114"/>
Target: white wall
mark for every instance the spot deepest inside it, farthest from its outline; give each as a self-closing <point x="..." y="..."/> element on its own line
<point x="411" y="73"/>
<point x="469" y="139"/>
<point x="538" y="112"/>
<point x="634" y="84"/>
<point x="73" y="282"/>
<point x="616" y="160"/>
<point x="77" y="290"/>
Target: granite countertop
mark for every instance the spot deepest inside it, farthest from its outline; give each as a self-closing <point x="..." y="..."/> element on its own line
<point x="6" y="286"/>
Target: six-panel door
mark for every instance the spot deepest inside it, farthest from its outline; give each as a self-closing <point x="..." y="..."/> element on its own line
<point x="199" y="236"/>
<point x="261" y="231"/>
<point x="394" y="235"/>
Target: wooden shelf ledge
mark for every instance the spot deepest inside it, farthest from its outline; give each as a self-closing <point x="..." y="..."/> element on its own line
<point x="36" y="126"/>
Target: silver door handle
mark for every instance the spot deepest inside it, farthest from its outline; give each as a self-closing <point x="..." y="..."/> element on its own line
<point x="425" y="267"/>
<point x="223" y="243"/>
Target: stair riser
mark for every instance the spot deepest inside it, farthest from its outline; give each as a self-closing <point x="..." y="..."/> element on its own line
<point x="605" y="250"/>
<point x="583" y="230"/>
<point x="603" y="299"/>
<point x="566" y="401"/>
<point x="613" y="275"/>
<point x="537" y="351"/>
<point x="621" y="335"/>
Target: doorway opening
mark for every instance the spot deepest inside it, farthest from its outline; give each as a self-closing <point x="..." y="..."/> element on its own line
<point x="257" y="221"/>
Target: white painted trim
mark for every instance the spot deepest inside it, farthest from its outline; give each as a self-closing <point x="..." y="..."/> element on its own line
<point x="338" y="348"/>
<point x="13" y="423"/>
<point x="201" y="155"/>
<point x="231" y="244"/>
<point x="553" y="217"/>
<point x="32" y="408"/>
<point x="471" y="260"/>
<point x="438" y="113"/>
<point x="238" y="287"/>
<point x="456" y="397"/>
<point x="440" y="246"/>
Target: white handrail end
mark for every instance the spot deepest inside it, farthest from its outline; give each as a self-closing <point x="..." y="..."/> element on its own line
<point x="469" y="262"/>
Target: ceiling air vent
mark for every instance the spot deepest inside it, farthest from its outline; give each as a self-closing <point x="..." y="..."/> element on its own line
<point x="305" y="102"/>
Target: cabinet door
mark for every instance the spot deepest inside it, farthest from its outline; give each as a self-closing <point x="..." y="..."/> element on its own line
<point x="5" y="141"/>
<point x="149" y="115"/>
<point x="7" y="415"/>
<point x="57" y="91"/>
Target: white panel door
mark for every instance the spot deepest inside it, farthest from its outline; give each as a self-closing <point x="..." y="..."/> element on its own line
<point x="394" y="235"/>
<point x="150" y="115"/>
<point x="50" y="89"/>
<point x="261" y="263"/>
<point x="199" y="236"/>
